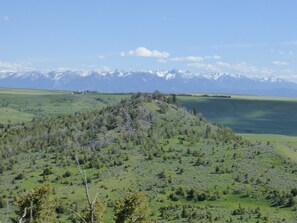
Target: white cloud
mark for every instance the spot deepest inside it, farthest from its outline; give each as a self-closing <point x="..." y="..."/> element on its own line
<point x="188" y="58"/>
<point x="104" y="68"/>
<point x="223" y="64"/>
<point x="5" y="18"/>
<point x="246" y="68"/>
<point x="144" y="52"/>
<point x="289" y="74"/>
<point x="280" y="63"/>
<point x="217" y="57"/>
<point x="214" y="57"/>
<point x="196" y="58"/>
<point x="282" y="53"/>
<point x="243" y="67"/>
<point x="6" y="66"/>
<point x="64" y="69"/>
<point x="236" y="45"/>
<point x="217" y="66"/>
<point x="166" y="18"/>
<point x="205" y="66"/>
<point x="161" y="60"/>
<point x="292" y="43"/>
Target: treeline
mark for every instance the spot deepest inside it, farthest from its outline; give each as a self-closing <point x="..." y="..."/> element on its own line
<point x="41" y="205"/>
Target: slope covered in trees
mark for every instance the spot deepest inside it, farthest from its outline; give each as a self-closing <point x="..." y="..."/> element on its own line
<point x="187" y="169"/>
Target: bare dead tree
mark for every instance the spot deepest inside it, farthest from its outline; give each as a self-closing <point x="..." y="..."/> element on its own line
<point x="24" y="215"/>
<point x="78" y="215"/>
<point x="31" y="212"/>
<point x="85" y="181"/>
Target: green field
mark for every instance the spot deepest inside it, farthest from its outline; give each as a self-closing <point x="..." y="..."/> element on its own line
<point x="247" y="114"/>
<point x="21" y="105"/>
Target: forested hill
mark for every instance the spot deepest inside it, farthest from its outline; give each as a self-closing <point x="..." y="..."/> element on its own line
<point x="188" y="169"/>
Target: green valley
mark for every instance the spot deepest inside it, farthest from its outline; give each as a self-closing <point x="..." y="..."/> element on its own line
<point x="247" y="114"/>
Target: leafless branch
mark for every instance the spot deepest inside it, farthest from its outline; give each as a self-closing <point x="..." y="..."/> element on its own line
<point x="31" y="212"/>
<point x="78" y="215"/>
<point x="95" y="199"/>
<point x="24" y="215"/>
<point x="85" y="181"/>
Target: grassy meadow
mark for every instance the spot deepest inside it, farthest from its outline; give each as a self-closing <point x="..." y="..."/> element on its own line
<point x="286" y="146"/>
<point x="22" y="105"/>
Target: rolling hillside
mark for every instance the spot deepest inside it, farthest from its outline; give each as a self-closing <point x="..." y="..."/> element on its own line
<point x="190" y="170"/>
<point x="243" y="114"/>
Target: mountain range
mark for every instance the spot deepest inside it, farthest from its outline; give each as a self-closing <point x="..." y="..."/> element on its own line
<point x="169" y="81"/>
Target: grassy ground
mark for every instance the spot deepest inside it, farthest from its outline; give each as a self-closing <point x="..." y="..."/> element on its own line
<point x="236" y="160"/>
<point x="115" y="181"/>
<point x="284" y="145"/>
<point x="21" y="105"/>
<point x="248" y="114"/>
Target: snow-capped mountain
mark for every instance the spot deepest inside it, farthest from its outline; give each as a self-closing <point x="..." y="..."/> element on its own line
<point x="168" y="81"/>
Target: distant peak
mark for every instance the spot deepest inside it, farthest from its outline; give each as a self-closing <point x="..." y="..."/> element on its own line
<point x="166" y="74"/>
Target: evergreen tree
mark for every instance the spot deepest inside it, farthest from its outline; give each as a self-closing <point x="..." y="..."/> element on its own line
<point x="37" y="206"/>
<point x="99" y="210"/>
<point x="132" y="208"/>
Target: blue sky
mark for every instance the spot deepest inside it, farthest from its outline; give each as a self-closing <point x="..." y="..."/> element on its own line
<point x="254" y="37"/>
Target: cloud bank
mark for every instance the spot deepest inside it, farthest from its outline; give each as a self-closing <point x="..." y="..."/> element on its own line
<point x="6" y="66"/>
<point x="280" y="63"/>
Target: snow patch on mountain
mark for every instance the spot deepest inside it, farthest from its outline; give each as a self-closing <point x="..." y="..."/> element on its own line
<point x="175" y="80"/>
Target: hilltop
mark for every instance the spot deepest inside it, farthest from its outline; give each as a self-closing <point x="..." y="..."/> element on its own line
<point x="190" y="169"/>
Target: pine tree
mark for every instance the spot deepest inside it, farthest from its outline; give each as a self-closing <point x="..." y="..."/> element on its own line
<point x="132" y="208"/>
<point x="37" y="206"/>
